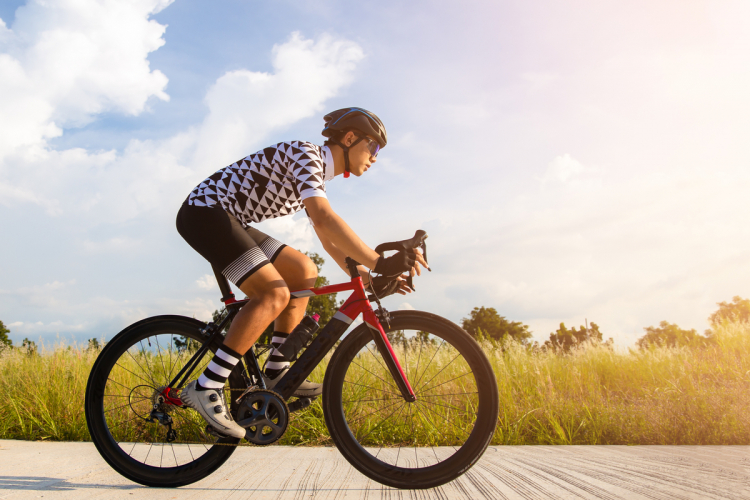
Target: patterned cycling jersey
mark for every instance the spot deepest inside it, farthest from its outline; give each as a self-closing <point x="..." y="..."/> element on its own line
<point x="268" y="184"/>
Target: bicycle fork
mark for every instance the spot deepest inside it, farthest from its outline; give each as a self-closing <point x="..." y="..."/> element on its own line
<point x="386" y="350"/>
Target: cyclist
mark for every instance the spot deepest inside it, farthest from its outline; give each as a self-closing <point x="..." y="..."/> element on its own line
<point x="280" y="180"/>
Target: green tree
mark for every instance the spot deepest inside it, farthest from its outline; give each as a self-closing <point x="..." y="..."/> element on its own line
<point x="5" y="341"/>
<point x="564" y="339"/>
<point x="737" y="310"/>
<point x="486" y="320"/>
<point x="670" y="335"/>
<point x="94" y="345"/>
<point x="325" y="305"/>
<point x="30" y="346"/>
<point x="184" y="344"/>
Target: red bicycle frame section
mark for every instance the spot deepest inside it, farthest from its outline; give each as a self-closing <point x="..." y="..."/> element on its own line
<point x="356" y="304"/>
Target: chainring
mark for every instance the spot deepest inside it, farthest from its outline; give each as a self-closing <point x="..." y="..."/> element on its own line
<point x="265" y="416"/>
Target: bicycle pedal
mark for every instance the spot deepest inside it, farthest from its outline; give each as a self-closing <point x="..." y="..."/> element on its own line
<point x="301" y="404"/>
<point x="210" y="430"/>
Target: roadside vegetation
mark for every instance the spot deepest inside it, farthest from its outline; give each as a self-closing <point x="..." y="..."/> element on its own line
<point x="675" y="386"/>
<point x="590" y="394"/>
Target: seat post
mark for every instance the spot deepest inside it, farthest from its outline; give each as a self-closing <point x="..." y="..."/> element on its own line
<point x="226" y="290"/>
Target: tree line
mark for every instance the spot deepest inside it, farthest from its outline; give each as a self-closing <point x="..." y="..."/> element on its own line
<point x="486" y="323"/>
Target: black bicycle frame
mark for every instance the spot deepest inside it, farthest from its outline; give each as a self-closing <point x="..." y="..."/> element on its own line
<point x="355" y="305"/>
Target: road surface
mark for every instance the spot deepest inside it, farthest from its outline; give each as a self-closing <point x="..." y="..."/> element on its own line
<point x="76" y="471"/>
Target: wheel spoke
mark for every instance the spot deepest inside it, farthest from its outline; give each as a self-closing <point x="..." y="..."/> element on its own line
<point x="161" y="360"/>
<point x="449" y="406"/>
<point x="145" y="358"/>
<point x="447" y="381"/>
<point x="374" y="389"/>
<point x="416" y="384"/>
<point x="421" y="396"/>
<point x="139" y="366"/>
<point x="374" y="411"/>
<point x="442" y="369"/>
<point x="368" y="371"/>
<point x="435" y="414"/>
<point x="376" y="358"/>
<point x="399" y="409"/>
<point x="132" y="373"/>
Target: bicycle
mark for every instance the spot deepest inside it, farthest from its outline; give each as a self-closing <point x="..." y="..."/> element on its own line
<point x="416" y="431"/>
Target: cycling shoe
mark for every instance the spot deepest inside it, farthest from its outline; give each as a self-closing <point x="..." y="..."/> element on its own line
<point x="306" y="390"/>
<point x="212" y="407"/>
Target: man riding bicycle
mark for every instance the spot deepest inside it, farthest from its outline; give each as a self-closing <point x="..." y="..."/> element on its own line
<point x="277" y="181"/>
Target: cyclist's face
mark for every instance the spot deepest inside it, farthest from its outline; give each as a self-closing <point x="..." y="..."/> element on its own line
<point x="360" y="159"/>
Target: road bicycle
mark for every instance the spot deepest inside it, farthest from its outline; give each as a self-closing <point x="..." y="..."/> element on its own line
<point x="415" y="411"/>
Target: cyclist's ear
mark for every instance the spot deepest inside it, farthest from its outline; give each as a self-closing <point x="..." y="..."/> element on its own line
<point x="349" y="138"/>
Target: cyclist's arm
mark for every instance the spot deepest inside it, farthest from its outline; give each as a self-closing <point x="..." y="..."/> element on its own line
<point x="340" y="257"/>
<point x="332" y="230"/>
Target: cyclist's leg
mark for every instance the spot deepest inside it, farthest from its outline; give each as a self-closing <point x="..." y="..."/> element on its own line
<point x="269" y="297"/>
<point x="222" y="240"/>
<point x="299" y="272"/>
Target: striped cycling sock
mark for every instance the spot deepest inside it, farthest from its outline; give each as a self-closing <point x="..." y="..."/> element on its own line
<point x="218" y="369"/>
<point x="276" y="362"/>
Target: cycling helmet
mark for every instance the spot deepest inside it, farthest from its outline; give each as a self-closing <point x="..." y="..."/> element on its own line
<point x="353" y="118"/>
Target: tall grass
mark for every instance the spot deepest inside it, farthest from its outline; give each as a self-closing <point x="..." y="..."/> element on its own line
<point x="594" y="395"/>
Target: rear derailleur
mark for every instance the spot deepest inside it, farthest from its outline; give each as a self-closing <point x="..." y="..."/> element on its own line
<point x="163" y="419"/>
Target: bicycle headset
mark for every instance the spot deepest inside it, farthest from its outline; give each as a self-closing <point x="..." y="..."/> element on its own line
<point x="345" y="119"/>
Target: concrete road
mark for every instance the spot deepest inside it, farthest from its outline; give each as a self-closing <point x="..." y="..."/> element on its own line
<point x="76" y="471"/>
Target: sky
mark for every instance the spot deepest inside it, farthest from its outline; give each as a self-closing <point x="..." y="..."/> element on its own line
<point x="571" y="161"/>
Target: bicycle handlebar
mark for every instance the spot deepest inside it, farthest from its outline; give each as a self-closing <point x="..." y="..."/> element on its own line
<point x="416" y="242"/>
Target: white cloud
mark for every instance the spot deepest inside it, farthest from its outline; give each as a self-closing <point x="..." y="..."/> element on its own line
<point x="565" y="169"/>
<point x="207" y="282"/>
<point x="294" y="231"/>
<point x="244" y="107"/>
<point x="247" y="106"/>
<point x="62" y="63"/>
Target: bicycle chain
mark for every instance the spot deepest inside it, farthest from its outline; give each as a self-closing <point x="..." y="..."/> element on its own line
<point x="242" y="442"/>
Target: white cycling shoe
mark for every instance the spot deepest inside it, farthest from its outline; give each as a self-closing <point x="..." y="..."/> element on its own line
<point x="212" y="407"/>
<point x="306" y="390"/>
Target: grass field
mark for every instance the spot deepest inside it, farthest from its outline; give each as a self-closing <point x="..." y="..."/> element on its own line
<point x="592" y="396"/>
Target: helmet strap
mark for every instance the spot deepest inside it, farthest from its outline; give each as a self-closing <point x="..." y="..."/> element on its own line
<point x="347" y="171"/>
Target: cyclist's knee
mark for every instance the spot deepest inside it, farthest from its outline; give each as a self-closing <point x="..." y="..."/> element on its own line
<point x="309" y="269"/>
<point x="276" y="298"/>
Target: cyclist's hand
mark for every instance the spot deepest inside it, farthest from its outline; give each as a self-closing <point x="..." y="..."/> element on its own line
<point x="418" y="259"/>
<point x="396" y="264"/>
<point x="384" y="286"/>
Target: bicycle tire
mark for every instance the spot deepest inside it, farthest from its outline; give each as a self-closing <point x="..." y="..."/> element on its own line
<point x="351" y="375"/>
<point x="113" y="364"/>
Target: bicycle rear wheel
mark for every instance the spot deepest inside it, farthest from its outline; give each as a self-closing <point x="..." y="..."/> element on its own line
<point x="124" y="387"/>
<point x="411" y="445"/>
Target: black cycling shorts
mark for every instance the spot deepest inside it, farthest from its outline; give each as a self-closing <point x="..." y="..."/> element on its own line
<point x="221" y="239"/>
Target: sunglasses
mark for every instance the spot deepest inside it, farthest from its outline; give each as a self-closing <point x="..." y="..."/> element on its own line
<point x="372" y="145"/>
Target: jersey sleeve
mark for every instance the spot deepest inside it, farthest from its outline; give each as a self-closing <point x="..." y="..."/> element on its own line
<point x="308" y="172"/>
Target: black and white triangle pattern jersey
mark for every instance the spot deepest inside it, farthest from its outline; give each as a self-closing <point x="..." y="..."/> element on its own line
<point x="268" y="184"/>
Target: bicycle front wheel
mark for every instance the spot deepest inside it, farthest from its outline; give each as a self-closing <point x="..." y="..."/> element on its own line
<point x="124" y="387"/>
<point x="411" y="445"/>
